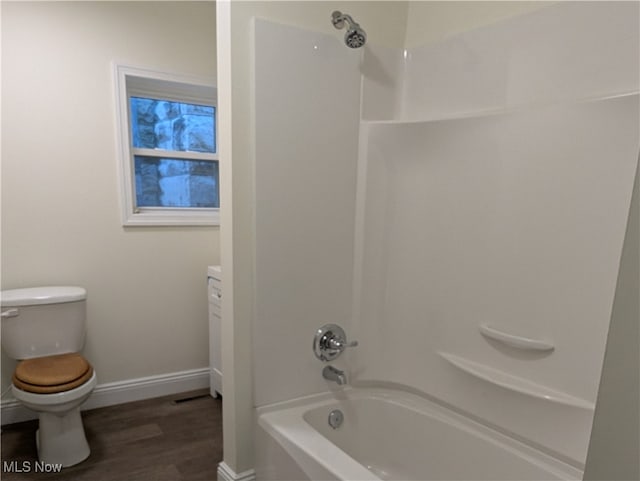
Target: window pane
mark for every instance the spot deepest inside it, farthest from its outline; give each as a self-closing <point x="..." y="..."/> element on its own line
<point x="176" y="182"/>
<point x="160" y="124"/>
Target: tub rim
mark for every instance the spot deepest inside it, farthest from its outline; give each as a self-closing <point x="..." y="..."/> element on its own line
<point x="285" y="420"/>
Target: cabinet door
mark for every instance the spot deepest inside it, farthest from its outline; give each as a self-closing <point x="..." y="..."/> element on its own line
<point x="215" y="352"/>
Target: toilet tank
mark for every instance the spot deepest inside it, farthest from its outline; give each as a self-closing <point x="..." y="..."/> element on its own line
<point x="42" y="321"/>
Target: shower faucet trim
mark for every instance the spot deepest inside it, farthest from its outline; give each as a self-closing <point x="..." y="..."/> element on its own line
<point x="329" y="342"/>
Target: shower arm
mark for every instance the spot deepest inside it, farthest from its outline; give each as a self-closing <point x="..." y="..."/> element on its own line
<point x="338" y="19"/>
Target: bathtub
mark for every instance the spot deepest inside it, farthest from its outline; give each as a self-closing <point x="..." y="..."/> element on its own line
<point x="390" y="435"/>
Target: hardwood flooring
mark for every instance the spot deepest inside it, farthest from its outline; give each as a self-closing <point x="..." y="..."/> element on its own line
<point x="173" y="438"/>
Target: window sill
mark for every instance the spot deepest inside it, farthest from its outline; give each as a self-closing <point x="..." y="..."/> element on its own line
<point x="151" y="218"/>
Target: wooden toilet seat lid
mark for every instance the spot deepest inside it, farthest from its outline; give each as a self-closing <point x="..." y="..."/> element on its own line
<point x="51" y="374"/>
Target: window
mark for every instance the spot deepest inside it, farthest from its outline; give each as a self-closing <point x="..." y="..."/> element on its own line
<point x="169" y="159"/>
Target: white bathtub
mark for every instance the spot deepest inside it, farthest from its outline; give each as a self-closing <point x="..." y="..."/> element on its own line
<point x="390" y="435"/>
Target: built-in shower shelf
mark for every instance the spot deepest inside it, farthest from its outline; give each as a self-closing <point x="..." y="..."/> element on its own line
<point x="428" y="120"/>
<point x="512" y="340"/>
<point x="494" y="111"/>
<point x="513" y="383"/>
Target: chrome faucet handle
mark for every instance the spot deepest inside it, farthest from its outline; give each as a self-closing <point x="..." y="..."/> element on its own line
<point x="341" y="344"/>
<point x="329" y="342"/>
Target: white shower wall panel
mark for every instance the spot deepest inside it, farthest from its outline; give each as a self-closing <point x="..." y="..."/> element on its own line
<point x="515" y="221"/>
<point x="307" y="101"/>
<point x="574" y="50"/>
<point x="566" y="51"/>
<point x="382" y="85"/>
<point x="466" y="73"/>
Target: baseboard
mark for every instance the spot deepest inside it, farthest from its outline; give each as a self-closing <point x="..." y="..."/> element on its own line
<point x="225" y="473"/>
<point x="110" y="394"/>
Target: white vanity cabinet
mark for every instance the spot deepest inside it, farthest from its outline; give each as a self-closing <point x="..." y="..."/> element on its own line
<point x="214" y="291"/>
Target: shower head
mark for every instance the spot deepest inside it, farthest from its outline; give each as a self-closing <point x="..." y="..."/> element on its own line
<point x="355" y="36"/>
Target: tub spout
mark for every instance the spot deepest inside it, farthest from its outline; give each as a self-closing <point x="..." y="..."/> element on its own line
<point x="330" y="373"/>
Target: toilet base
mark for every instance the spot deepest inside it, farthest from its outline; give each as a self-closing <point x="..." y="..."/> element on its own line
<point x="61" y="439"/>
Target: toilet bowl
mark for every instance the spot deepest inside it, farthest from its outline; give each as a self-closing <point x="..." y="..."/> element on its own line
<point x="60" y="438"/>
<point x="44" y="327"/>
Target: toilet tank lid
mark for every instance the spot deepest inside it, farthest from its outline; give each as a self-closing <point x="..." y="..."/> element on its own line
<point x="32" y="296"/>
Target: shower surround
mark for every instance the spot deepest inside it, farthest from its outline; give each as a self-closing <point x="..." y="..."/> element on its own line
<point x="459" y="208"/>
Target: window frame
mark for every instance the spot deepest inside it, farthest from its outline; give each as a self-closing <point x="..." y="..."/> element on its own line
<point x="139" y="82"/>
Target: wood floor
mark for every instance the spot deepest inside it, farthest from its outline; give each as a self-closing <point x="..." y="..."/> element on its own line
<point x="174" y="438"/>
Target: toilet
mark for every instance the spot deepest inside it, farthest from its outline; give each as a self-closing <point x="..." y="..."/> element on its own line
<point x="44" y="328"/>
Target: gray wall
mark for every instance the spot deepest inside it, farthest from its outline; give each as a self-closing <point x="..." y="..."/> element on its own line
<point x="614" y="451"/>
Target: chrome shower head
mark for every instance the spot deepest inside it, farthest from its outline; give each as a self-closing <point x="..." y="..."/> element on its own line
<point x="355" y="37"/>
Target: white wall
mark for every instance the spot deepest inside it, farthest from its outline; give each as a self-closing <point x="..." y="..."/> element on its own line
<point x="502" y="200"/>
<point x="383" y="19"/>
<point x="305" y="168"/>
<point x="147" y="306"/>
<point x="429" y="22"/>
<point x="500" y="221"/>
<point x="506" y="64"/>
<point x="407" y="24"/>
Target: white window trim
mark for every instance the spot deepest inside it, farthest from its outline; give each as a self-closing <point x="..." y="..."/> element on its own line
<point x="130" y="80"/>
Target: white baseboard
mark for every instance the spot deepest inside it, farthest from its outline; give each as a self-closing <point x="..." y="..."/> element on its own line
<point x="225" y="473"/>
<point x="110" y="394"/>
